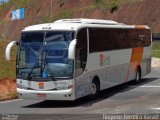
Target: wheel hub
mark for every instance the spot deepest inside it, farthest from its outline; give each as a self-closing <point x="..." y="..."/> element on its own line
<point x="93" y="89"/>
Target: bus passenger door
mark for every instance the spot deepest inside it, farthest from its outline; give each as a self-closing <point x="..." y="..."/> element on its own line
<point x="81" y="78"/>
<point x="78" y="62"/>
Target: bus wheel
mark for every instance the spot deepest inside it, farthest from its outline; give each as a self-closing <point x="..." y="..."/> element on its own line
<point x="95" y="88"/>
<point x="138" y="75"/>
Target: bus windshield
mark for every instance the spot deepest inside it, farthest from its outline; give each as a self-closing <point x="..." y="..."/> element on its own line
<point x="44" y="55"/>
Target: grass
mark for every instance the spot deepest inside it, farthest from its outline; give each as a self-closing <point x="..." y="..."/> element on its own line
<point x="68" y="13"/>
<point x="19" y="3"/>
<point x="16" y="4"/>
<point x="156" y="54"/>
<point x="112" y="5"/>
<point x="62" y="2"/>
<point x="7" y="68"/>
<point x="156" y="49"/>
<point x="41" y="20"/>
<point x="156" y="45"/>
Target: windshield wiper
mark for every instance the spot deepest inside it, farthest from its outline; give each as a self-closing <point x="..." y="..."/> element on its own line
<point x="34" y="66"/>
<point x="44" y="54"/>
<point x="37" y="64"/>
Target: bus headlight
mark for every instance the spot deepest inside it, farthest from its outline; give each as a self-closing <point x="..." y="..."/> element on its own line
<point x="62" y="88"/>
<point x="22" y="87"/>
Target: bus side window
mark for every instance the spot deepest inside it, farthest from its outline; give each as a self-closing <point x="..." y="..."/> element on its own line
<point x="81" y="52"/>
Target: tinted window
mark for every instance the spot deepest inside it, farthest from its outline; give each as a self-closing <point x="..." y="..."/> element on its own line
<point x="32" y="37"/>
<point x="102" y="39"/>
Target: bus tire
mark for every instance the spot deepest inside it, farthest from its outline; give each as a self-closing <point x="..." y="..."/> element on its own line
<point x="138" y="75"/>
<point x="95" y="89"/>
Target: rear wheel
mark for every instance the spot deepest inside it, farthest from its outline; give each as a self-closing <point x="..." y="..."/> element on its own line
<point x="95" y="88"/>
<point x="138" y="75"/>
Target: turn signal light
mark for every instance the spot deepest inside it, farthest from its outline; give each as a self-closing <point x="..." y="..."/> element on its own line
<point x="70" y="86"/>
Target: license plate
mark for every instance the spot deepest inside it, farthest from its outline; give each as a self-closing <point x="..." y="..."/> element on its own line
<point x="41" y="95"/>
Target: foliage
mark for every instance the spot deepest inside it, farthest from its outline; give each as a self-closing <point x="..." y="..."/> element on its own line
<point x="62" y="2"/>
<point x="112" y="5"/>
<point x="156" y="53"/>
<point x="68" y="13"/>
<point x="156" y="45"/>
<point x="156" y="49"/>
<point x="100" y="2"/>
<point x="18" y="3"/>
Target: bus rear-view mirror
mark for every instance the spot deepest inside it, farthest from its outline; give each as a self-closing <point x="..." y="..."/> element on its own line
<point x="8" y="49"/>
<point x="71" y="50"/>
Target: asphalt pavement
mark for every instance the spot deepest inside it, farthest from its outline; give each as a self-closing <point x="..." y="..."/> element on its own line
<point x="128" y="98"/>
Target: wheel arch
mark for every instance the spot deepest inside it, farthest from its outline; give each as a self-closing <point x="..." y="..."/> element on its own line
<point x="96" y="78"/>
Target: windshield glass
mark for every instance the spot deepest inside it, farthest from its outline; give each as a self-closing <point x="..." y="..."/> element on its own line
<point x="44" y="55"/>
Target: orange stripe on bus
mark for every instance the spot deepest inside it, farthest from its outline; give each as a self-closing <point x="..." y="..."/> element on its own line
<point x="136" y="59"/>
<point x="140" y="27"/>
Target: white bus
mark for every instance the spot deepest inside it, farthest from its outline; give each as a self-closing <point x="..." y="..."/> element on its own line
<point x="72" y="58"/>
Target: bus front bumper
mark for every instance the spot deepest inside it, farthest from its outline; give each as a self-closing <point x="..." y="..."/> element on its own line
<point x="46" y="95"/>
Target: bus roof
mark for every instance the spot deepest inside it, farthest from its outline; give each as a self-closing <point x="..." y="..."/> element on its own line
<point x="75" y="24"/>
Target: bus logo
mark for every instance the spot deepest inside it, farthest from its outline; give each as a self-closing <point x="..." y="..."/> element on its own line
<point x="41" y="85"/>
<point x="102" y="59"/>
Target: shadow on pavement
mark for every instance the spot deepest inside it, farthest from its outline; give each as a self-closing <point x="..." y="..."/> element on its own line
<point x="85" y="102"/>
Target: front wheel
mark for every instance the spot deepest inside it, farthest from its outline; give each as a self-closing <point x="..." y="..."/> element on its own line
<point x="95" y="88"/>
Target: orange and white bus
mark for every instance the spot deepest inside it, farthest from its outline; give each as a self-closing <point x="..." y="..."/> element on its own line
<point x="72" y="58"/>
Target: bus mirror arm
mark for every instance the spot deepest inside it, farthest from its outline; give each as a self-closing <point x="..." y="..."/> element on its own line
<point x="8" y="49"/>
<point x="71" y="50"/>
<point x="17" y="43"/>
